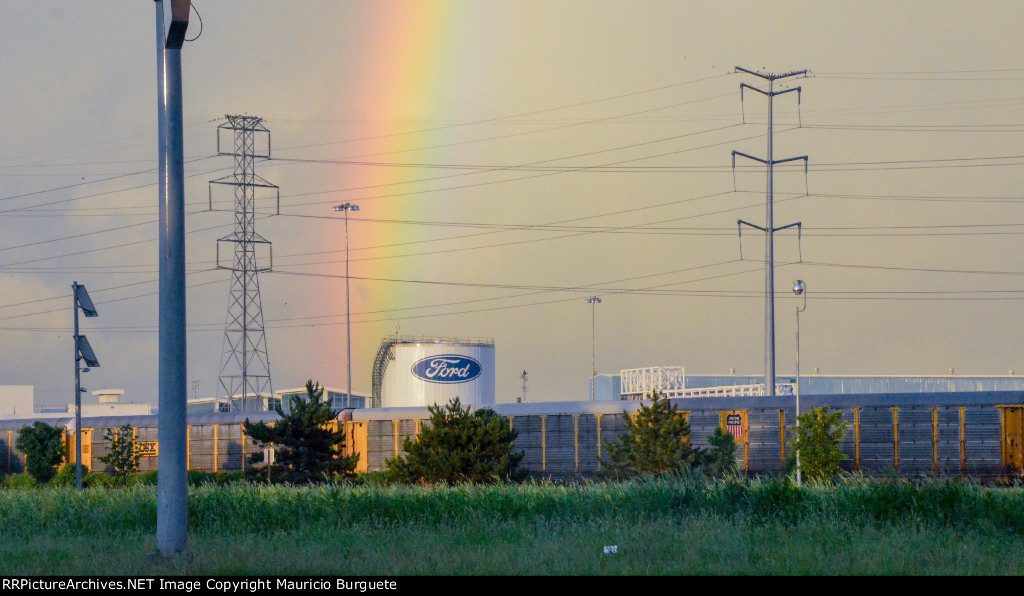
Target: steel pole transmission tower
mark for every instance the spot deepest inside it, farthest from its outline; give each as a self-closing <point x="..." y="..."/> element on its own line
<point x="245" y="367"/>
<point x="769" y="227"/>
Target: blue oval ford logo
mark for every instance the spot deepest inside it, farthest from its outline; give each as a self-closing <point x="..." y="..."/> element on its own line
<point x="447" y="368"/>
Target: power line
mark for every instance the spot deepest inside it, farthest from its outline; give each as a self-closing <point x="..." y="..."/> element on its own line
<point x="94" y="195"/>
<point x="101" y="249"/>
<point x="543" y="302"/>
<point x="925" y="198"/>
<point x="533" y="240"/>
<point x="149" y="135"/>
<point x="984" y="128"/>
<point x="112" y="300"/>
<point x="918" y="72"/>
<point x="590" y="288"/>
<point x="916" y="78"/>
<point x="639" y="228"/>
<point x="914" y="269"/>
<point x="513" y="116"/>
<point x="830" y="232"/>
<point x="542" y="174"/>
<point x="506" y="136"/>
<point x="547" y="290"/>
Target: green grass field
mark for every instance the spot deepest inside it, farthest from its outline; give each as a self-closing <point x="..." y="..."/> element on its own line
<point x="677" y="526"/>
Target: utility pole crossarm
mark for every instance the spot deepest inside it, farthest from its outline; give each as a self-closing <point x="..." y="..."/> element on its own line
<point x="752" y="88"/>
<point x="739" y="231"/>
<point x="740" y="223"/>
<point x="772" y="77"/>
<point x="751" y="157"/>
<point x="799" y="236"/>
<point x="799" y="95"/>
<point x="766" y="162"/>
<point x="807" y="186"/>
<point x="789" y="159"/>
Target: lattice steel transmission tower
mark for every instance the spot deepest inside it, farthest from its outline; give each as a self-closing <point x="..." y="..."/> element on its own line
<point x="245" y="366"/>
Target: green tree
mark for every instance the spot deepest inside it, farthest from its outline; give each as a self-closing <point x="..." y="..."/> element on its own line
<point x="123" y="453"/>
<point x="43" y="446"/>
<point x="720" y="458"/>
<point x="656" y="441"/>
<point x="307" y="441"/>
<point x="66" y="475"/>
<point x="817" y="440"/>
<point x="458" y="446"/>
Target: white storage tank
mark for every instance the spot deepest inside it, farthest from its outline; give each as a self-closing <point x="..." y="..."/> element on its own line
<point x="421" y="371"/>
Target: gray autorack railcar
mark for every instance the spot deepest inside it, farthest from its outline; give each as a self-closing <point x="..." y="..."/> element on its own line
<point x="976" y="434"/>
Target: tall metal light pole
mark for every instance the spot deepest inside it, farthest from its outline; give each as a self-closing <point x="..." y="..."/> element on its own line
<point x="593" y="301"/>
<point x="346" y="207"/>
<point x="172" y="484"/>
<point x="800" y="289"/>
<point x="83" y="351"/>
<point x="769" y="227"/>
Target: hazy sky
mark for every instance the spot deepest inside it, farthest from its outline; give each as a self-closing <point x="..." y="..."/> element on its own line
<point x="511" y="159"/>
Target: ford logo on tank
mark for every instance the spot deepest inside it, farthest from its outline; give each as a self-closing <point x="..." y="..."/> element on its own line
<point x="447" y="368"/>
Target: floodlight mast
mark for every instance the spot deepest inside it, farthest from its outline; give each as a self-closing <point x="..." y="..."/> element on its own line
<point x="172" y="488"/>
<point x="82" y="352"/>
<point x="769" y="228"/>
<point x="346" y="207"/>
<point x="593" y="301"/>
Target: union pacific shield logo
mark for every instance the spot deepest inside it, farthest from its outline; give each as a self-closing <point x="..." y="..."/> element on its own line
<point x="447" y="368"/>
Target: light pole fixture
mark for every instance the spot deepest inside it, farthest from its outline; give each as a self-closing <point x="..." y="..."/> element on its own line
<point x="593" y="301"/>
<point x="346" y="207"/>
<point x="800" y="289"/>
<point x="83" y="351"/>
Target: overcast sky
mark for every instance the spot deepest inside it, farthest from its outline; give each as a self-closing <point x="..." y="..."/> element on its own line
<point x="511" y="159"/>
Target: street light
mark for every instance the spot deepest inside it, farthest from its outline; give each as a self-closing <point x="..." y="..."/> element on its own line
<point x="800" y="289"/>
<point x="83" y="351"/>
<point x="593" y="301"/>
<point x="346" y="207"/>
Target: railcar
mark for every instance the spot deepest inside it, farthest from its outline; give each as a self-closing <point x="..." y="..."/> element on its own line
<point x="979" y="434"/>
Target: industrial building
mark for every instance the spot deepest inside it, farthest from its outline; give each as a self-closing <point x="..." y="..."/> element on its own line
<point x="109" y="404"/>
<point x="338" y="398"/>
<point x="251" y="402"/>
<point x="673" y="381"/>
<point x="19" y="400"/>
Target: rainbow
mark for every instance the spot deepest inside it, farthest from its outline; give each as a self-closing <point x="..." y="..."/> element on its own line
<point x="412" y="52"/>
